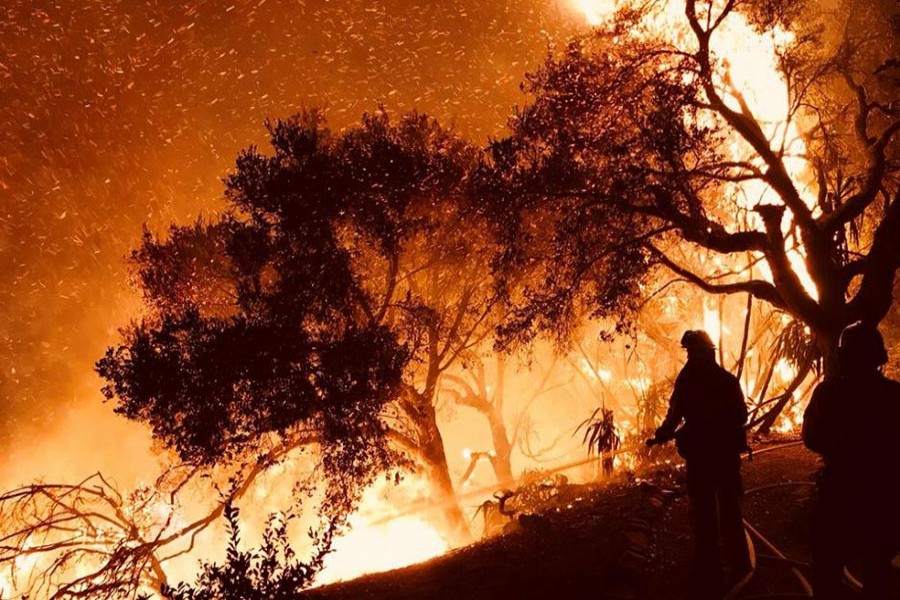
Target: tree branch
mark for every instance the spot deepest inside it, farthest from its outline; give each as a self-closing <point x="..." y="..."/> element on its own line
<point x="794" y="296"/>
<point x="757" y="287"/>
<point x="748" y="128"/>
<point x="875" y="296"/>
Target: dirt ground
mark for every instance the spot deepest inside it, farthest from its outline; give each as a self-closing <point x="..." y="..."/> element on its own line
<point x="588" y="550"/>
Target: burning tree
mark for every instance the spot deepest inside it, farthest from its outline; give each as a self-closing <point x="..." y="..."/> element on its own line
<point x="654" y="140"/>
<point x="486" y="393"/>
<point x="443" y="305"/>
<point x="310" y="323"/>
<point x="322" y="308"/>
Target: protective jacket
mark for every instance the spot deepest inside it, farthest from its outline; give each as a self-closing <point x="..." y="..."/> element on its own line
<point x="706" y="417"/>
<point x="852" y="422"/>
<point x="708" y="403"/>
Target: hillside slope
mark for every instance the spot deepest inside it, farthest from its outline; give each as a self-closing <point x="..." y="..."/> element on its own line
<point x="621" y="540"/>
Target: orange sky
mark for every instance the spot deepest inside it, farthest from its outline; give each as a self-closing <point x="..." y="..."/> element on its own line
<point x="114" y="113"/>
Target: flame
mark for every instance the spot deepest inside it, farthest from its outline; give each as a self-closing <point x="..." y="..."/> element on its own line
<point x="374" y="548"/>
<point x="712" y="324"/>
<point x="792" y="418"/>
<point x="625" y="461"/>
<point x="374" y="544"/>
<point x="784" y="370"/>
<point x="595" y="11"/>
<point x="785" y="425"/>
<point x="747" y="70"/>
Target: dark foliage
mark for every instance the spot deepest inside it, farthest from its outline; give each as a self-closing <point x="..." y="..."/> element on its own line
<point x="601" y="436"/>
<point x="272" y="572"/>
<point x="259" y="323"/>
<point x="342" y="266"/>
<point x="572" y="188"/>
<point x="209" y="386"/>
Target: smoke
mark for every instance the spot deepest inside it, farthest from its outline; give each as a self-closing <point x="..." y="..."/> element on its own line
<point x="115" y="113"/>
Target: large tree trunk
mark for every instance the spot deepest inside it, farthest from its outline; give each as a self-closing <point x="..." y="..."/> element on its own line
<point x="437" y="470"/>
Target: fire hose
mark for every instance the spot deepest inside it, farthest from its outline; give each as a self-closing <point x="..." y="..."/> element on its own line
<point x="849" y="578"/>
<point x="804" y="583"/>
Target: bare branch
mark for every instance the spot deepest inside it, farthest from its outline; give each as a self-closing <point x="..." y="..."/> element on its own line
<point x="757" y="287"/>
<point x="874" y="298"/>
<point x="115" y="545"/>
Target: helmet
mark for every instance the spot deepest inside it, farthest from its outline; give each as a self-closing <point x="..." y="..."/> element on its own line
<point x="696" y="338"/>
<point x="862" y="344"/>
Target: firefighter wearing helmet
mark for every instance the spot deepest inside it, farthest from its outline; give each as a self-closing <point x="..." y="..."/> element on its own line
<point x="706" y="418"/>
<point x="852" y="421"/>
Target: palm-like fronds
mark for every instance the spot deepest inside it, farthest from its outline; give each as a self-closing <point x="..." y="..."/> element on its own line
<point x="795" y="344"/>
<point x="601" y="434"/>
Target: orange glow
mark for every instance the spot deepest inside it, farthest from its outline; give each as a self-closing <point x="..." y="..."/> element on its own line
<point x="595" y="11"/>
<point x="784" y="370"/>
<point x="598" y="373"/>
<point x="383" y="534"/>
<point x="746" y="69"/>
<point x="791" y="419"/>
<point x="712" y="324"/>
<point x="375" y="544"/>
<point x="371" y="548"/>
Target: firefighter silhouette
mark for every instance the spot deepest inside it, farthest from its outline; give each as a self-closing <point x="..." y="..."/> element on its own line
<point x="706" y="419"/>
<point x="852" y="422"/>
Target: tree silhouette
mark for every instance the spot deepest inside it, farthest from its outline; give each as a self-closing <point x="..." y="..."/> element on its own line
<point x="90" y="539"/>
<point x="295" y="354"/>
<point x="470" y="388"/>
<point x="321" y="308"/>
<point x="640" y="147"/>
<point x="445" y="306"/>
